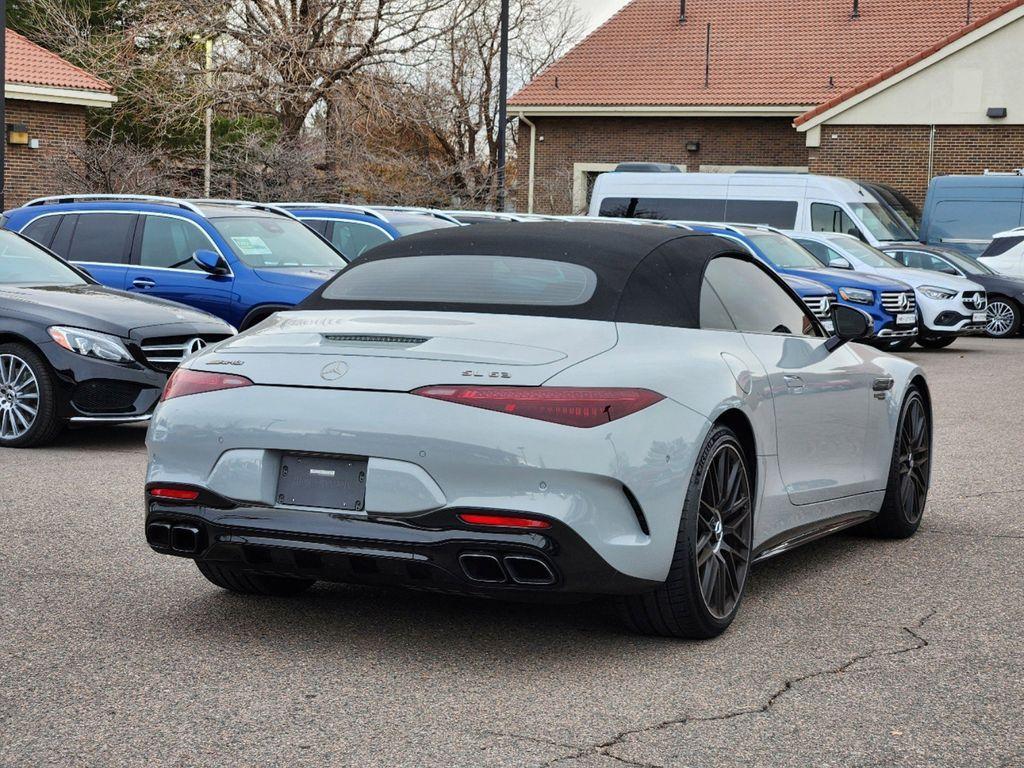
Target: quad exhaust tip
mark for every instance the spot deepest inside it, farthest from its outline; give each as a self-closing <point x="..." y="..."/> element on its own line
<point x="185" y="539"/>
<point x="519" y="569"/>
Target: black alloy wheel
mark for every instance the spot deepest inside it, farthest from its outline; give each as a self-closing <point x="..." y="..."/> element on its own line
<point x="910" y="471"/>
<point x="914" y="460"/>
<point x="708" y="575"/>
<point x="723" y="531"/>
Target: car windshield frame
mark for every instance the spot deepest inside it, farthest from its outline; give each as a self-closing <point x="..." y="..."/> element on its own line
<point x="336" y="260"/>
<point x="882" y="223"/>
<point x="863" y="253"/>
<point x="57" y="272"/>
<point x="965" y="264"/>
<point x="798" y="257"/>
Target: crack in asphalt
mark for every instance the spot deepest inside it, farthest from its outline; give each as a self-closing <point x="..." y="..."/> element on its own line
<point x="604" y="748"/>
<point x="973" y="535"/>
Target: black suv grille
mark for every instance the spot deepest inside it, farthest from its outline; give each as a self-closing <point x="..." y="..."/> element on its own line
<point x="165" y="353"/>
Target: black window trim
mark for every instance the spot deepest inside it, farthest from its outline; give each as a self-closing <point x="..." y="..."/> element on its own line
<point x="135" y="257"/>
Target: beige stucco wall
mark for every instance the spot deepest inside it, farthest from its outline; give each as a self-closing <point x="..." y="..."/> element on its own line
<point x="957" y="90"/>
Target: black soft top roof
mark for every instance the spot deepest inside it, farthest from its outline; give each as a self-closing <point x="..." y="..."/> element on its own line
<point x="648" y="274"/>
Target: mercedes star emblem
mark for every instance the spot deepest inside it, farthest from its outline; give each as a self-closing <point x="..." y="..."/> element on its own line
<point x="333" y="370"/>
<point x="194" y="345"/>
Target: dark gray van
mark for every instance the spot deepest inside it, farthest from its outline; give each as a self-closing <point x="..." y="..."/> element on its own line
<point x="964" y="212"/>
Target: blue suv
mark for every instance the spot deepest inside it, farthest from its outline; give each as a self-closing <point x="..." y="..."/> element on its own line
<point x="354" y="229"/>
<point x="868" y="293"/>
<point x="237" y="260"/>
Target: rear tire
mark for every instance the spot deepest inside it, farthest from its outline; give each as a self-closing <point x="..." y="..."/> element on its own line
<point x="708" y="575"/>
<point x="1004" y="318"/>
<point x="935" y="342"/>
<point x="237" y="580"/>
<point x="29" y="411"/>
<point x="910" y="470"/>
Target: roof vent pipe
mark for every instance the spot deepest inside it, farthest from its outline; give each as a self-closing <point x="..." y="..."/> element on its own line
<point x="856" y="10"/>
<point x="682" y="11"/>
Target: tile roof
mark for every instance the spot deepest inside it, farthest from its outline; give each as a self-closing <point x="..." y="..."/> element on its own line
<point x="907" y="63"/>
<point x="30" y="64"/>
<point x="763" y="52"/>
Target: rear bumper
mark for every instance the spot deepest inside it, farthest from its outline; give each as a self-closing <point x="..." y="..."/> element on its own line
<point x="431" y="551"/>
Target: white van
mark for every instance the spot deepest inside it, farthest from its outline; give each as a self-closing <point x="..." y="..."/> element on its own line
<point x="795" y="201"/>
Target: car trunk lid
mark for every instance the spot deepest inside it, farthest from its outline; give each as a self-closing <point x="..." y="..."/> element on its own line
<point x="390" y="350"/>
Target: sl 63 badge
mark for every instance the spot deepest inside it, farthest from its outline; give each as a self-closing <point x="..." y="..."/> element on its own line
<point x="487" y="374"/>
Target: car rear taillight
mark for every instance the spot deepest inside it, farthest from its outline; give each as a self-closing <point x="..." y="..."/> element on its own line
<point x="503" y="521"/>
<point x="185" y="382"/>
<point x="178" y="494"/>
<point x="571" y="406"/>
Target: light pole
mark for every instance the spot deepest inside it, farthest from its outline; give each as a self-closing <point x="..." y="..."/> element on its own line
<point x="503" y="104"/>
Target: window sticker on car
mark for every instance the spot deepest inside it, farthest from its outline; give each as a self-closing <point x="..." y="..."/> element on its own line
<point x="252" y="246"/>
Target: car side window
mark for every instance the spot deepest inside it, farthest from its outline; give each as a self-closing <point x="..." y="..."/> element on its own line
<point x="713" y="315"/>
<point x="832" y="218"/>
<point x="353" y="238"/>
<point x="921" y="260"/>
<point x="754" y="301"/>
<point x="822" y="252"/>
<point x="42" y="229"/>
<point x="102" y="237"/>
<point x="169" y="242"/>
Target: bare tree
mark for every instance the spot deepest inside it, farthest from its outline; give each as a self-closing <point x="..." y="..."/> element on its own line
<point x="463" y="97"/>
<point x="284" y="57"/>
<point x="106" y="165"/>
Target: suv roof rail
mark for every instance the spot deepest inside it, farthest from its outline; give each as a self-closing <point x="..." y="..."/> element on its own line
<point x="361" y="210"/>
<point x="269" y="207"/>
<point x="416" y="209"/>
<point x="112" y="197"/>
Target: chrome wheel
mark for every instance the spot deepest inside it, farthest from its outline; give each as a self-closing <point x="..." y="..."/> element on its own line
<point x="19" y="397"/>
<point x="914" y="460"/>
<point x="1001" y="319"/>
<point x="723" y="532"/>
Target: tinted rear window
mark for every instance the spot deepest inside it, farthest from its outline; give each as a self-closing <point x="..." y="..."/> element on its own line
<point x="775" y="213"/>
<point x="102" y="237"/>
<point x="443" y="279"/>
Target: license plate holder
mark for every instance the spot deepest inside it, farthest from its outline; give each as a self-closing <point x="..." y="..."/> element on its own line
<point x="324" y="482"/>
<point x="907" y="319"/>
<point x="980" y="317"/>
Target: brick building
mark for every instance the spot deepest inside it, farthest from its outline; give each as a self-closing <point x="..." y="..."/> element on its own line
<point x="45" y="101"/>
<point x="872" y="90"/>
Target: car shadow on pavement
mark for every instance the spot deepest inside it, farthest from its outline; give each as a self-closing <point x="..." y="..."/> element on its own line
<point x="345" y="619"/>
<point x="102" y="437"/>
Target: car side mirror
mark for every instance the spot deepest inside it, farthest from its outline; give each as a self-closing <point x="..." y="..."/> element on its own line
<point x="850" y="324"/>
<point x="840" y="263"/>
<point x="210" y="261"/>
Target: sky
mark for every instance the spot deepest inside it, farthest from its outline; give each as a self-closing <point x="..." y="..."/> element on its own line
<point x="598" y="10"/>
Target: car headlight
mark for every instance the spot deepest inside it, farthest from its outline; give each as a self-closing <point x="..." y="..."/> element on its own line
<point x="934" y="292"/>
<point x="857" y="295"/>
<point x="90" y="343"/>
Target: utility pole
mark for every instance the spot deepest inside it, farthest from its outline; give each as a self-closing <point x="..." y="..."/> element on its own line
<point x="503" y="104"/>
<point x="3" y="101"/>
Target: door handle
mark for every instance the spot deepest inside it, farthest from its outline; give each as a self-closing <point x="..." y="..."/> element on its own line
<point x="143" y="282"/>
<point x="794" y="383"/>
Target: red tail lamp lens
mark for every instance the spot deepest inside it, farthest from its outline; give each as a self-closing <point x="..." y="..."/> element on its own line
<point x="571" y="406"/>
<point x="185" y="382"/>
<point x="504" y="521"/>
<point x="178" y="494"/>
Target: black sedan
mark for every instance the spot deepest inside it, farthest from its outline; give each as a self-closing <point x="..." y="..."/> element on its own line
<point x="75" y="352"/>
<point x="1005" y="293"/>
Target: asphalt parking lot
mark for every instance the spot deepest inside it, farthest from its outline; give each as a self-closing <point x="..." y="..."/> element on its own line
<point x="850" y="652"/>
